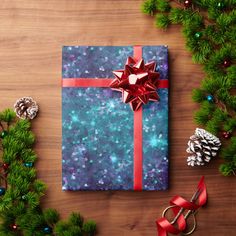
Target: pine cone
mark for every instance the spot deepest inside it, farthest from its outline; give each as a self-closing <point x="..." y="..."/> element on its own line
<point x="202" y="146"/>
<point x="26" y="108"/>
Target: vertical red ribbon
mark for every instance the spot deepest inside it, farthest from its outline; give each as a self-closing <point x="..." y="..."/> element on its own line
<point x="138" y="149"/>
<point x="138" y="137"/>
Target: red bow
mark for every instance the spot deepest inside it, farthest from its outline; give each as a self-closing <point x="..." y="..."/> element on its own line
<point x="138" y="82"/>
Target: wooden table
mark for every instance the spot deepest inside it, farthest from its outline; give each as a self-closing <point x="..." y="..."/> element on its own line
<point x="32" y="33"/>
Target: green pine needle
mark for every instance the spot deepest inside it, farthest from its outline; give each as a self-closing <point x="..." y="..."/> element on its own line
<point x="227" y="169"/>
<point x="162" y="20"/>
<point x="76" y="219"/>
<point x="198" y="95"/>
<point x="89" y="227"/>
<point x="51" y="216"/>
<point x="8" y="115"/>
<point x="162" y="6"/>
<point x="149" y="7"/>
<point x="177" y="15"/>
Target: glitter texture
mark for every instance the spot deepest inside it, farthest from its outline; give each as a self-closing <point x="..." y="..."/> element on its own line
<point x="97" y="142"/>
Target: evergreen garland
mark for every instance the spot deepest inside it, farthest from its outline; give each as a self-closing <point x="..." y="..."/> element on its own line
<point x="209" y="27"/>
<point x="20" y="191"/>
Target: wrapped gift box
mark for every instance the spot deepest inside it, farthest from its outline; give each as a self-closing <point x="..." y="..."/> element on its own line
<point x="98" y="128"/>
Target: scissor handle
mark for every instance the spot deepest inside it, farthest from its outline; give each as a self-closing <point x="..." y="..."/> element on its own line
<point x="194" y="223"/>
<point x="185" y="217"/>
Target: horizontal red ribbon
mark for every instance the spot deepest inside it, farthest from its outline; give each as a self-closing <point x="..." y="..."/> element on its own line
<point x="138" y="148"/>
<point x="99" y="82"/>
<point x="85" y="82"/>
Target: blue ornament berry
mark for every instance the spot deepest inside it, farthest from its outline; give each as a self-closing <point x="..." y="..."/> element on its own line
<point x="47" y="230"/>
<point x="3" y="134"/>
<point x="2" y="191"/>
<point x="220" y="5"/>
<point x="198" y="35"/>
<point x="28" y="164"/>
<point x="24" y="197"/>
<point x="210" y="98"/>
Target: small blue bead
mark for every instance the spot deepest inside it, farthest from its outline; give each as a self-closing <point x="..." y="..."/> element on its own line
<point x="210" y="98"/>
<point x="198" y="35"/>
<point x="28" y="164"/>
<point x="47" y="230"/>
<point x="220" y="5"/>
<point x="2" y="191"/>
<point x="4" y="134"/>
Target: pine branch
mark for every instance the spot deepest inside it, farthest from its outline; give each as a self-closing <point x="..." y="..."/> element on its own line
<point x="209" y="28"/>
<point x="20" y="210"/>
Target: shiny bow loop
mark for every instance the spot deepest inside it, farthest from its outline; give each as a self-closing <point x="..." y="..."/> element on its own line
<point x="138" y="82"/>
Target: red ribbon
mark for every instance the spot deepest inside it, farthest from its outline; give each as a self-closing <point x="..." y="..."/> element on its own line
<point x="105" y="82"/>
<point x="164" y="226"/>
<point x="99" y="82"/>
<point x="138" y="149"/>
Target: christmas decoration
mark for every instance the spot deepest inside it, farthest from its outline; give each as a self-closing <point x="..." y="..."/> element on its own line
<point x="187" y="3"/>
<point x="28" y="164"/>
<point x="220" y="5"/>
<point x="14" y="227"/>
<point x="3" y="182"/>
<point x="3" y="134"/>
<point x="20" y="211"/>
<point x="138" y="82"/>
<point x="47" y="230"/>
<point x="202" y="146"/>
<point x="209" y="29"/>
<point x="198" y="35"/>
<point x="2" y="191"/>
<point x="5" y="166"/>
<point x="226" y="134"/>
<point x="179" y="206"/>
<point x="210" y="98"/>
<point x="226" y="63"/>
<point x="26" y="108"/>
<point x="105" y="144"/>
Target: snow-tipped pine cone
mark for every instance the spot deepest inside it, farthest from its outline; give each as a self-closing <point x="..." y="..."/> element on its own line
<point x="26" y="108"/>
<point x="202" y="146"/>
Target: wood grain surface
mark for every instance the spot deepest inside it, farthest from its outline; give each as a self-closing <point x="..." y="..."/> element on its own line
<point x="32" y="33"/>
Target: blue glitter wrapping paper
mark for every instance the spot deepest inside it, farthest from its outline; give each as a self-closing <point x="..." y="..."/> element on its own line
<point x="97" y="127"/>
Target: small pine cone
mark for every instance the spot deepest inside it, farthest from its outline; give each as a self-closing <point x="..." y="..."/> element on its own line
<point x="202" y="146"/>
<point x="26" y="108"/>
